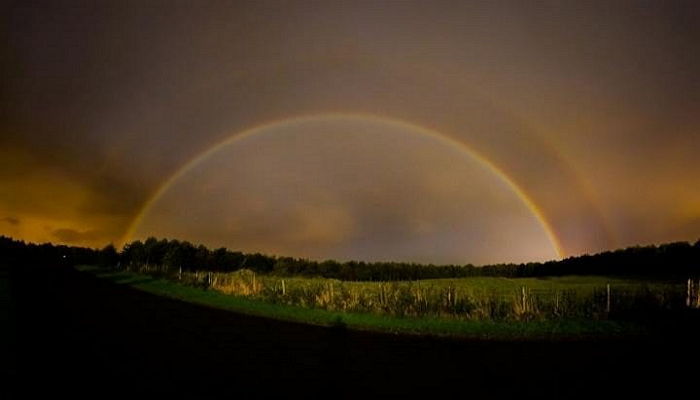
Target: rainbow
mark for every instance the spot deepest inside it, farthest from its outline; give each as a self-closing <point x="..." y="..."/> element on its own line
<point x="460" y="146"/>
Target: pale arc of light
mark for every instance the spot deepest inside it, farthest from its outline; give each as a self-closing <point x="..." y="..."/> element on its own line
<point x="554" y="241"/>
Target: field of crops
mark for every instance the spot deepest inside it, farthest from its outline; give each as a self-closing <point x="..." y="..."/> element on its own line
<point x="478" y="298"/>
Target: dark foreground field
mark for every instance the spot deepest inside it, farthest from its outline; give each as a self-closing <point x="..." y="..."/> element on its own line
<point x="69" y="332"/>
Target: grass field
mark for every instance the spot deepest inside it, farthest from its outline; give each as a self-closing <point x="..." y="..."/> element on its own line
<point x="319" y="301"/>
<point x="128" y="340"/>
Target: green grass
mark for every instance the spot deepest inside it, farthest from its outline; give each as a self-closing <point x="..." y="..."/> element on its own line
<point x="511" y="286"/>
<point x="481" y="329"/>
<point x="500" y="286"/>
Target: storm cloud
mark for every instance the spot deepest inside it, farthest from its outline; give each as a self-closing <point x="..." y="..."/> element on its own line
<point x="591" y="108"/>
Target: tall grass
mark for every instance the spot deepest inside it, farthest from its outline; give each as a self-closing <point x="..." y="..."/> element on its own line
<point x="440" y="298"/>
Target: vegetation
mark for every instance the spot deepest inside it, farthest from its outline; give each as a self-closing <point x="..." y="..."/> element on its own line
<point x="668" y="261"/>
<point x="482" y="329"/>
<point x="314" y="291"/>
<point x="680" y="260"/>
<point x="15" y="253"/>
<point x="481" y="298"/>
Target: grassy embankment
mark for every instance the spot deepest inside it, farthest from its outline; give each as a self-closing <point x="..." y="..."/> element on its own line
<point x="431" y="325"/>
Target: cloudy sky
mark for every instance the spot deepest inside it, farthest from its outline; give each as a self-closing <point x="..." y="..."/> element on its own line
<point x="431" y="131"/>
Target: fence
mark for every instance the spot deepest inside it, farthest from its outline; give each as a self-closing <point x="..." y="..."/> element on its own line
<point x="423" y="299"/>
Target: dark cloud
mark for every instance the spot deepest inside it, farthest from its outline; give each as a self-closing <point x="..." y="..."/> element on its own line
<point x="590" y="107"/>
<point x="11" y="220"/>
<point x="67" y="235"/>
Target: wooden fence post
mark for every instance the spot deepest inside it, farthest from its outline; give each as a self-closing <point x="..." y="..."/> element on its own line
<point x="607" y="302"/>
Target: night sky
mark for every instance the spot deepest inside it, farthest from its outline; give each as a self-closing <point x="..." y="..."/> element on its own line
<point x="428" y="131"/>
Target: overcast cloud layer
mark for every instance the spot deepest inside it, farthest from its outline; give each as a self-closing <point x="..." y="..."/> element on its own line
<point x="592" y="108"/>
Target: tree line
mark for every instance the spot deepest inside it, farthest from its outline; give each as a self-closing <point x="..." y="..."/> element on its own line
<point x="671" y="260"/>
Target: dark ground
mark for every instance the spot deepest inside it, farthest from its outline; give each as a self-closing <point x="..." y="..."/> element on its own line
<point x="70" y="333"/>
